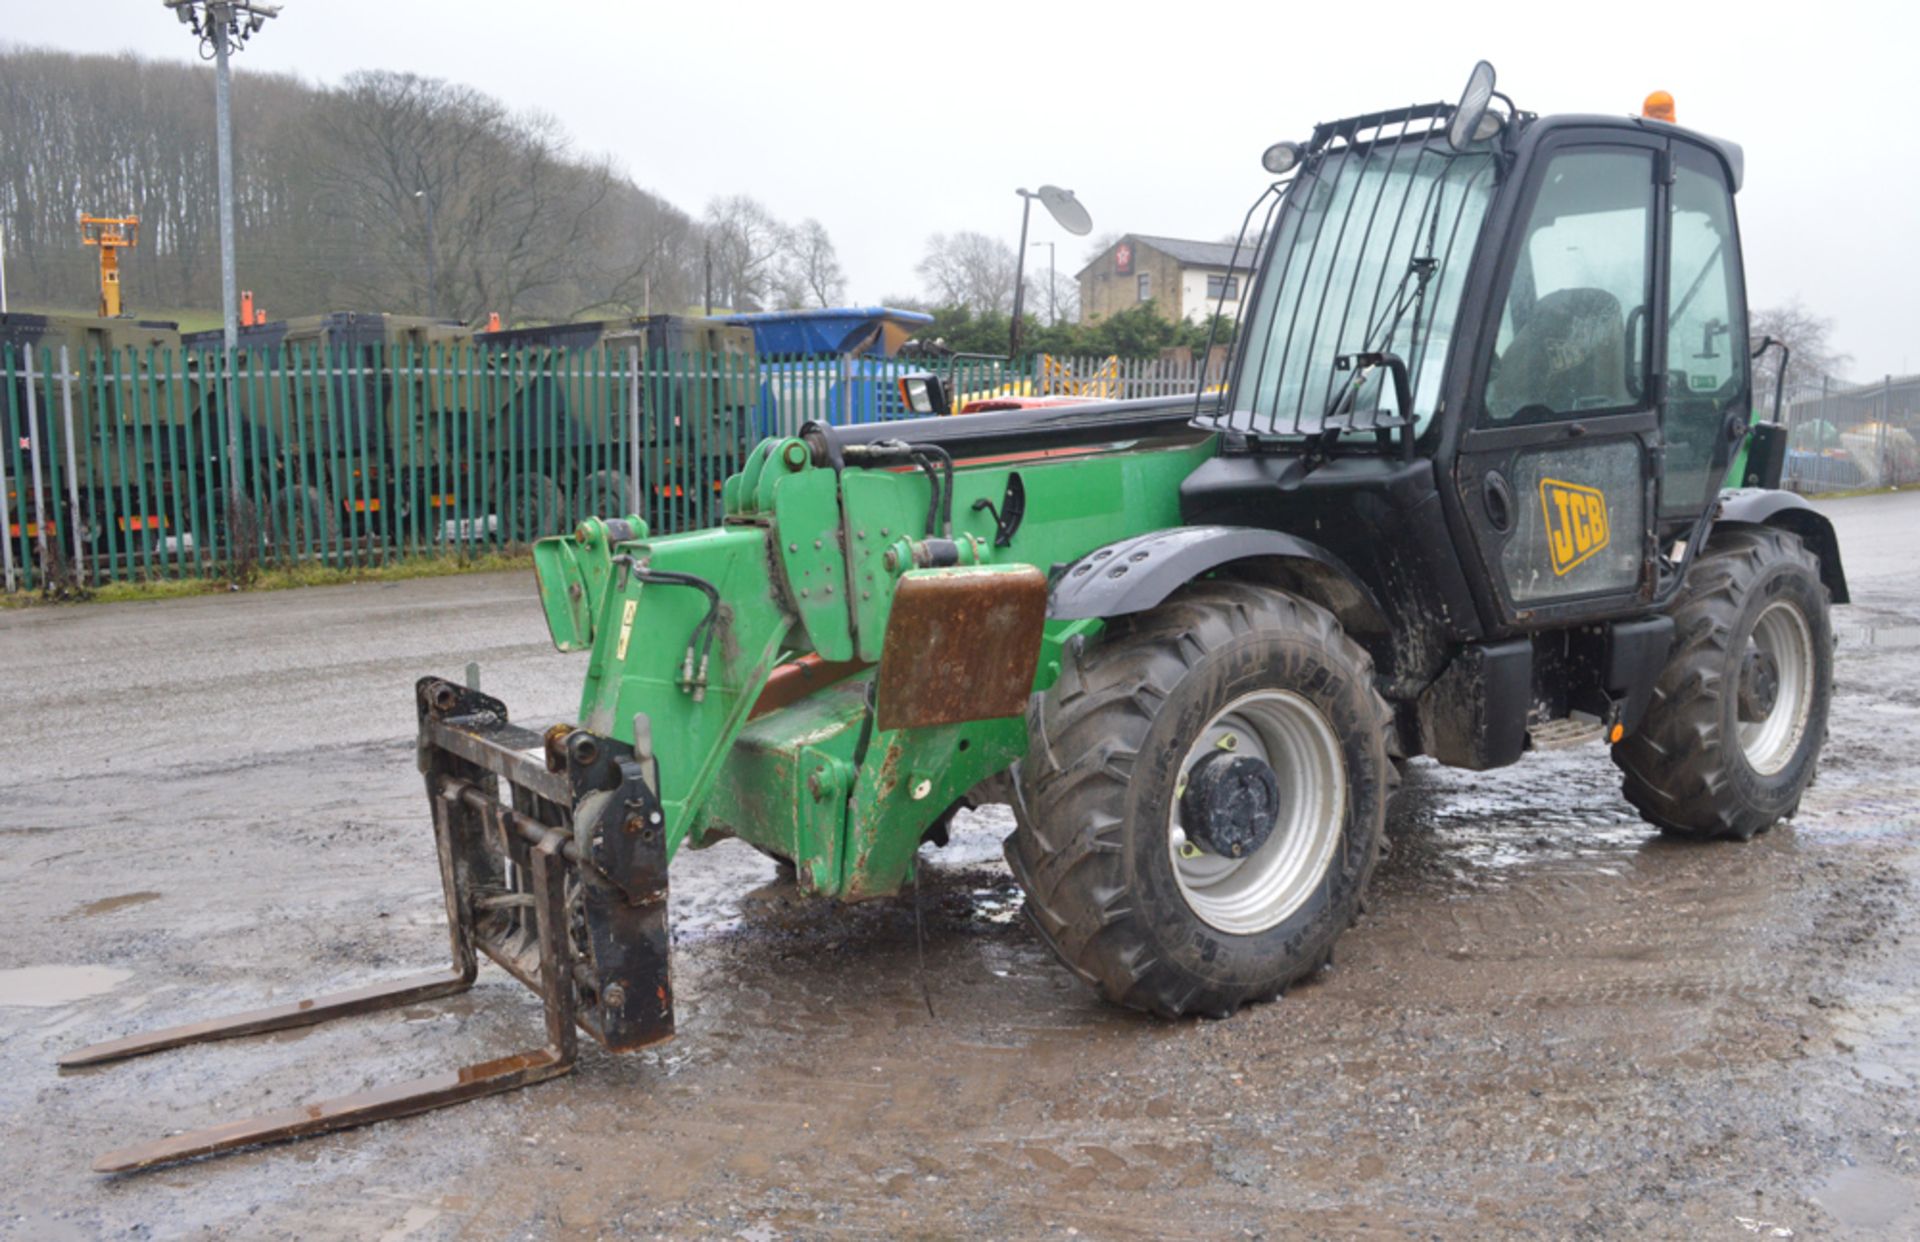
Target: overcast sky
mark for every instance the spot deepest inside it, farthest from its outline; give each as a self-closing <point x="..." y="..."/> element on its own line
<point x="891" y="122"/>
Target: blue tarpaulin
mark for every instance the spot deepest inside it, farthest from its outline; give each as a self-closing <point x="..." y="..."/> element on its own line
<point x="876" y="331"/>
<point x="829" y="364"/>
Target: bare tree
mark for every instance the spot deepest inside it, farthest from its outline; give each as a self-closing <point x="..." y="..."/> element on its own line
<point x="1054" y="294"/>
<point x="1807" y="336"/>
<point x="813" y="265"/>
<point x="971" y="270"/>
<point x="745" y="242"/>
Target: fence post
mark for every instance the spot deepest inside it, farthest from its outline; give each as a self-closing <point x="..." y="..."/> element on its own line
<point x="33" y="463"/>
<point x="633" y="418"/>
<point x="73" y="469"/>
<point x="6" y="505"/>
<point x="1886" y="425"/>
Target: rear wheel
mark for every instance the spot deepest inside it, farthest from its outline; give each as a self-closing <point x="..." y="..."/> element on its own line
<point x="1202" y="800"/>
<point x="1733" y="734"/>
<point x="303" y="522"/>
<point x="606" y="494"/>
<point x="535" y="507"/>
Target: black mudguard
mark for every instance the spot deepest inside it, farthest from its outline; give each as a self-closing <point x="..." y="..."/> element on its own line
<point x="1136" y="574"/>
<point x="1761" y="506"/>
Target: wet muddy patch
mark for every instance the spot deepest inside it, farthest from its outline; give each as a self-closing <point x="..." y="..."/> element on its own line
<point x="48" y="987"/>
<point x="107" y="905"/>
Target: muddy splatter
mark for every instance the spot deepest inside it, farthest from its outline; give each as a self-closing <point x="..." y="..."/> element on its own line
<point x="107" y="905"/>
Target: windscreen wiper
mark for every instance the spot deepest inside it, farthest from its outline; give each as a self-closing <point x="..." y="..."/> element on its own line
<point x="1377" y="352"/>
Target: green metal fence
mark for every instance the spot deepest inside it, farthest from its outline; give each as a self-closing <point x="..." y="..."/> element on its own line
<point x="138" y="465"/>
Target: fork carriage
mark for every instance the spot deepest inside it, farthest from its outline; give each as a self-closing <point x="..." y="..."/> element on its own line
<point x="553" y="858"/>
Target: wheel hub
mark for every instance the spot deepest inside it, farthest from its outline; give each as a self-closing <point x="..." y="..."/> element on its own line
<point x="1759" y="685"/>
<point x="1230" y="804"/>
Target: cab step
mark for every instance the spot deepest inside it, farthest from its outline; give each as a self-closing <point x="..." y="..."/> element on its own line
<point x="1571" y="731"/>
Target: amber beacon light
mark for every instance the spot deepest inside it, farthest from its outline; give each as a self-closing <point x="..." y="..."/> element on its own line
<point x="1659" y="107"/>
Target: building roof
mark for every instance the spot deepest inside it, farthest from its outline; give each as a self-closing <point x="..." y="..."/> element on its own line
<point x="1186" y="253"/>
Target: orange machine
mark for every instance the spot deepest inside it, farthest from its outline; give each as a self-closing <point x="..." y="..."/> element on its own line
<point x="112" y="234"/>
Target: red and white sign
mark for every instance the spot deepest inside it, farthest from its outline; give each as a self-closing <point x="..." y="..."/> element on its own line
<point x="1123" y="258"/>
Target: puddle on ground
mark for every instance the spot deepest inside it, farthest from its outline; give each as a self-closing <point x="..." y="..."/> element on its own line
<point x="1864" y="1198"/>
<point x="47" y="987"/>
<point x="107" y="905"/>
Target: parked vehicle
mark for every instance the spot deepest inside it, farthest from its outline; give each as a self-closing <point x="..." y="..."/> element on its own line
<point x="577" y="396"/>
<point x="131" y="453"/>
<point x="1462" y="499"/>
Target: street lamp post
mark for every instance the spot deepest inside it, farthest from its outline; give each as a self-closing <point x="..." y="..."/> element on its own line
<point x="1069" y="215"/>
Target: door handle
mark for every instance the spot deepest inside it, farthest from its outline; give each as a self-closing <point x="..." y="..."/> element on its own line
<point x="1497" y="495"/>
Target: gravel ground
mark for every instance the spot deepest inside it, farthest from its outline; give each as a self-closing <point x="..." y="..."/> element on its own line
<point x="1550" y="1022"/>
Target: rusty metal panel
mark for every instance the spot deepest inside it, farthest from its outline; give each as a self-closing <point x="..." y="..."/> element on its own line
<point x="961" y="645"/>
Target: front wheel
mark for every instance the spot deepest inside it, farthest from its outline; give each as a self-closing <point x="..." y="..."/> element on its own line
<point x="1739" y="713"/>
<point x="1203" y="799"/>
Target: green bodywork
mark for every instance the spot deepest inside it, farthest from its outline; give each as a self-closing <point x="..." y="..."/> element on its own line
<point x="806" y="562"/>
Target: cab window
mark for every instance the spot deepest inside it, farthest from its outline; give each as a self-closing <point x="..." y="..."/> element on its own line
<point x="1706" y="329"/>
<point x="1573" y="325"/>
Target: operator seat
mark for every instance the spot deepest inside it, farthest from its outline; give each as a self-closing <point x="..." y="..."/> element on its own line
<point x="1569" y="354"/>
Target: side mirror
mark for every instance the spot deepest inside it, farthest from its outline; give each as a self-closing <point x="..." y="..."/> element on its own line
<point x="1466" y="125"/>
<point x="925" y="396"/>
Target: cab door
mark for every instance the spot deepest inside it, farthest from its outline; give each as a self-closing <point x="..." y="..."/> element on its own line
<point x="1556" y="470"/>
<point x="1708" y="387"/>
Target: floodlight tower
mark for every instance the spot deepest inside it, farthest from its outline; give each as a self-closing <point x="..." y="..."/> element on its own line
<point x="224" y="26"/>
<point x="111" y="234"/>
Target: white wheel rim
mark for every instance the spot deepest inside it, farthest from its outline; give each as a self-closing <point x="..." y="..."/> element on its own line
<point x="1245" y="896"/>
<point x="1782" y="633"/>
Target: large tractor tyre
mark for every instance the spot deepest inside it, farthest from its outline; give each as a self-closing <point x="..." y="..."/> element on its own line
<point x="535" y="506"/>
<point x="607" y="494"/>
<point x="1203" y="800"/>
<point x="304" y="523"/>
<point x="1738" y="716"/>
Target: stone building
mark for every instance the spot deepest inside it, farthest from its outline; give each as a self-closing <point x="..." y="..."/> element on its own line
<point x="1184" y="279"/>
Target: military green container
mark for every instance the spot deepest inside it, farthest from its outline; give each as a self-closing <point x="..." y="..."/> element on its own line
<point x="568" y="443"/>
<point x="352" y="428"/>
<point x="128" y="445"/>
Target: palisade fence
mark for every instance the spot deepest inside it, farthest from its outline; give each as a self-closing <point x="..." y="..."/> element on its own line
<point x="1854" y="435"/>
<point x="138" y="465"/>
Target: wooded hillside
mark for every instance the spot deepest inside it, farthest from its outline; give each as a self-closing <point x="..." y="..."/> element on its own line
<point x="348" y="196"/>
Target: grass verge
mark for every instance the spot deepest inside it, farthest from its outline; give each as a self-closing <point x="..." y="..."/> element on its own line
<point x="280" y="578"/>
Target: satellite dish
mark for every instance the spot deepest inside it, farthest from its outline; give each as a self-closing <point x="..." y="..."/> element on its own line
<point x="1066" y="210"/>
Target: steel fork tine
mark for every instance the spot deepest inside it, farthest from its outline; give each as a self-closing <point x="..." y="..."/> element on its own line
<point x="275" y="1017"/>
<point x="344" y="1112"/>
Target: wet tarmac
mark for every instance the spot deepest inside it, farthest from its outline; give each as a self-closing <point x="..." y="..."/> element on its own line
<point x="1550" y="1022"/>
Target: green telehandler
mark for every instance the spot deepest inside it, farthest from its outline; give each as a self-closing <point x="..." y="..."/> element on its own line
<point x="1461" y="498"/>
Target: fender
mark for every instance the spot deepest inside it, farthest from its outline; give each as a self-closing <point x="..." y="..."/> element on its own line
<point x="1136" y="574"/>
<point x="1762" y="506"/>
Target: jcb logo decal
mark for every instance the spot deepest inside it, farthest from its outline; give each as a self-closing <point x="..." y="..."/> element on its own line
<point x="1576" y="520"/>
